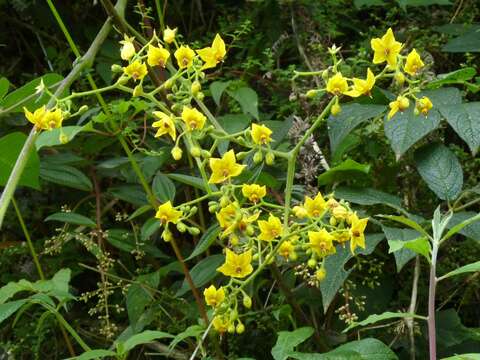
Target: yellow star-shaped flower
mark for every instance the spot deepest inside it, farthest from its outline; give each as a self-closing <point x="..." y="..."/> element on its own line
<point x="315" y="207"/>
<point x="214" y="54"/>
<point x="261" y="134"/>
<point x="193" y="119"/>
<point x="237" y="265"/>
<point x="401" y="104"/>
<point x="386" y="49"/>
<point x="214" y="296"/>
<point x="254" y="192"/>
<point x="271" y="229"/>
<point x="136" y="70"/>
<point x="337" y="84"/>
<point x="321" y="242"/>
<point x="184" y="56"/>
<point x="165" y="125"/>
<point x="413" y="63"/>
<point x="224" y="168"/>
<point x="166" y="213"/>
<point x="169" y="35"/>
<point x="362" y="87"/>
<point x="128" y="49"/>
<point x="424" y="105"/>
<point x="157" y="56"/>
<point x="357" y="228"/>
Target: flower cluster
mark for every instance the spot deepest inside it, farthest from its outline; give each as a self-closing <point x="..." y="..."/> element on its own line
<point x="386" y="50"/>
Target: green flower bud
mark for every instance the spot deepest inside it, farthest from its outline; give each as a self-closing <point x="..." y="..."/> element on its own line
<point x="250" y="230"/>
<point x="399" y="78"/>
<point x="336" y="109"/>
<point x="176" y="153"/>
<point x="200" y="96"/>
<point x="325" y="75"/>
<point x="224" y="201"/>
<point x="195" y="151"/>
<point x="115" y="68"/>
<point x="333" y="221"/>
<point x="206" y="154"/>
<point x="270" y="158"/>
<point x="193" y="231"/>
<point x="195" y="88"/>
<point x="312" y="263"/>
<point x="311" y="93"/>
<point x="212" y="208"/>
<point x="168" y="84"/>
<point x="170" y="97"/>
<point x="247" y="301"/>
<point x="258" y="157"/>
<point x="240" y="328"/>
<point x="181" y="227"/>
<point x="320" y="274"/>
<point x="138" y="90"/>
<point x="231" y="328"/>
<point x="233" y="315"/>
<point x="83" y="109"/>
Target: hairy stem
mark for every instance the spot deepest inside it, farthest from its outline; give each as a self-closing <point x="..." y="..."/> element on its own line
<point x="432" y="338"/>
<point x="412" y="307"/>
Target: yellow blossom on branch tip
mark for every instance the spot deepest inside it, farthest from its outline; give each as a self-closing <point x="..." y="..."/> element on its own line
<point x="254" y="192"/>
<point x="261" y="134"/>
<point x="220" y="323"/>
<point x="169" y="35"/>
<point x="44" y="119"/>
<point x="227" y="215"/>
<point x="424" y="105"/>
<point x="286" y="249"/>
<point x="128" y="48"/>
<point x="136" y="70"/>
<point x="157" y="56"/>
<point x="165" y="125"/>
<point x="271" y="229"/>
<point x="214" y="54"/>
<point x="214" y="296"/>
<point x="166" y="213"/>
<point x="413" y="63"/>
<point x="321" y="242"/>
<point x="362" y="87"/>
<point x="193" y="119"/>
<point x="401" y="104"/>
<point x="224" y="168"/>
<point x="237" y="265"/>
<point x="337" y="84"/>
<point x="315" y="207"/>
<point x="184" y="56"/>
<point x="386" y="49"/>
<point x="357" y="228"/>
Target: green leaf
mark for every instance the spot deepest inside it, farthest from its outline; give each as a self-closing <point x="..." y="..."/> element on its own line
<point x="52" y="137"/>
<point x="288" y="340"/>
<point x="192" y="331"/>
<point x="403" y="256"/>
<point x="473" y="267"/>
<point x="193" y="181"/>
<point x="26" y="97"/>
<point x="451" y="331"/>
<point x="404" y="3"/>
<point x="231" y="123"/>
<point x="10" y="147"/>
<point x="440" y="169"/>
<point x="163" y="188"/>
<point x="140" y="211"/>
<point x="10" y="308"/>
<point x="463" y="357"/>
<point x="464" y="223"/>
<point x="352" y="115"/>
<point x="140" y="295"/>
<point x="334" y="265"/>
<point x="124" y="240"/>
<point x="419" y="246"/>
<point x="367" y="196"/>
<point x="468" y="42"/>
<point x="459" y="76"/>
<point x="144" y="337"/>
<point x="65" y="175"/>
<point x="344" y="171"/>
<point x="133" y="194"/>
<point x="374" y="318"/>
<point x="202" y="272"/>
<point x="463" y="118"/>
<point x="406" y="221"/>
<point x="150" y="227"/>
<point x="217" y="89"/>
<point x="206" y="240"/>
<point x="93" y="354"/>
<point x="4" y="85"/>
<point x="248" y="100"/>
<point x="71" y="218"/>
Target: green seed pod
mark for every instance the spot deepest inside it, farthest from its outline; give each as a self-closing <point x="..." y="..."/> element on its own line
<point x="83" y="109"/>
<point x="233" y="315"/>
<point x="311" y="93"/>
<point x="168" y="84"/>
<point x="200" y="96"/>
<point x="205" y="154"/>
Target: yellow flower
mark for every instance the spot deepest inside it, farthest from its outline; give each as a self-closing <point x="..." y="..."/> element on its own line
<point x="254" y="192"/>
<point x="224" y="168"/>
<point x="339" y="212"/>
<point x="341" y="236"/>
<point x="220" y="323"/>
<point x="286" y="249"/>
<point x="321" y="242"/>
<point x="184" y="56"/>
<point x="169" y="35"/>
<point x="214" y="297"/>
<point x="337" y="84"/>
<point x="270" y="229"/>
<point x="424" y="105"/>
<point x="128" y="49"/>
<point x="300" y="212"/>
<point x="214" y="54"/>
<point x="401" y="104"/>
<point x="261" y="134"/>
<point x="193" y="118"/>
<point x="167" y="213"/>
<point x="44" y="119"/>
<point x="137" y="70"/>
<point x="165" y="125"/>
<point x="414" y="63"/>
<point x="315" y="207"/>
<point x="362" y="87"/>
<point x="386" y="49"/>
<point x="157" y="56"/>
<point x="237" y="265"/>
<point x="227" y="215"/>
<point x="357" y="237"/>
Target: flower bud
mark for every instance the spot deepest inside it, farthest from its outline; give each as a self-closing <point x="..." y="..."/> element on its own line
<point x="170" y="97"/>
<point x="269" y="158"/>
<point x="312" y="263"/>
<point x="181" y="227"/>
<point x="83" y="109"/>
<point x="168" y="84"/>
<point x="212" y="208"/>
<point x="241" y="155"/>
<point x="247" y="301"/>
<point x="195" y="88"/>
<point x="193" y="231"/>
<point x="258" y="157"/>
<point x="320" y="274"/>
<point x="231" y="328"/>
<point x="234" y="240"/>
<point x="325" y="75"/>
<point x="399" y="78"/>
<point x="138" y="90"/>
<point x="333" y="221"/>
<point x="167" y="235"/>
<point x="200" y="96"/>
<point x="240" y="328"/>
<point x="293" y="256"/>
<point x="336" y="109"/>
<point x="195" y="151"/>
<point x="250" y="230"/>
<point x="224" y="201"/>
<point x="310" y="94"/>
<point x="63" y="138"/>
<point x="177" y="153"/>
<point x="115" y="68"/>
<point x="339" y="212"/>
<point x="233" y="315"/>
<point x="206" y="154"/>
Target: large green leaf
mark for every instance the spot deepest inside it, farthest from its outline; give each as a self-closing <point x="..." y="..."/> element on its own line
<point x="71" y="218"/>
<point x="367" y="196"/>
<point x="374" y="318"/>
<point x="346" y="170"/>
<point x="420" y="246"/>
<point x="465" y="120"/>
<point x="143" y="338"/>
<point x="124" y="240"/>
<point x="336" y="274"/>
<point x="206" y="240"/>
<point x="217" y="88"/>
<point x="94" y="354"/>
<point x="352" y="115"/>
<point x="459" y="76"/>
<point x="52" y="137"/>
<point x="402" y="256"/>
<point x="65" y="175"/>
<point x="140" y="295"/>
<point x="131" y="193"/>
<point x="451" y="331"/>
<point x="467" y="42"/>
<point x="202" y="272"/>
<point x="473" y="267"/>
<point x="288" y="340"/>
<point x="248" y="100"/>
<point x="163" y="188"/>
<point x="440" y="169"/>
<point x="9" y="308"/>
<point x="472" y="230"/>
<point x="4" y="85"/>
<point x="10" y="147"/>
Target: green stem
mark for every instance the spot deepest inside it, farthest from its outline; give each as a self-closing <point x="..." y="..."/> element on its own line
<point x="29" y="240"/>
<point x="160" y="14"/>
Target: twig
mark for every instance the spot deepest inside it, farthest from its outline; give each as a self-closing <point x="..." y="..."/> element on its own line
<point x="413" y="304"/>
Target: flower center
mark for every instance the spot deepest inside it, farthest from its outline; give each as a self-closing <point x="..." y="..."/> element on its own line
<point x="185" y="61"/>
<point x="356" y="233"/>
<point x="238" y="270"/>
<point x="193" y="124"/>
